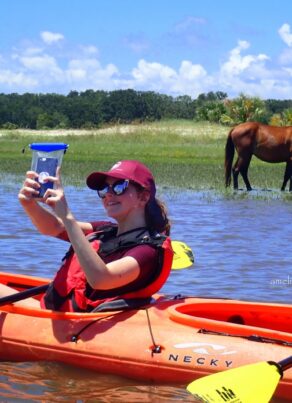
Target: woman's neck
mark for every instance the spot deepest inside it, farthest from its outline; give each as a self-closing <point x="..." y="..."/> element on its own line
<point x="130" y="224"/>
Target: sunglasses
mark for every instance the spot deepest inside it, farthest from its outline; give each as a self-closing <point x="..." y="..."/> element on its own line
<point x="118" y="188"/>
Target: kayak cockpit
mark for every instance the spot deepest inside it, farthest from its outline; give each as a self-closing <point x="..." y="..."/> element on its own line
<point x="236" y="317"/>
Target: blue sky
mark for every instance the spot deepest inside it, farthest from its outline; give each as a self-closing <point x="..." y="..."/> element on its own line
<point x="175" y="47"/>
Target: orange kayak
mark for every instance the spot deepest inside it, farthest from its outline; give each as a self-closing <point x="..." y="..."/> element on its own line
<point x="171" y="339"/>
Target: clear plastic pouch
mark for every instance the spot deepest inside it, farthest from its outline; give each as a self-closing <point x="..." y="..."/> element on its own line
<point x="46" y="158"/>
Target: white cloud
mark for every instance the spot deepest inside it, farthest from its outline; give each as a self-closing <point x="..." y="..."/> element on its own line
<point x="189" y="22"/>
<point x="145" y="72"/>
<point x="89" y="50"/>
<point x="90" y="68"/>
<point x="237" y="64"/>
<point x="191" y="32"/>
<point x="33" y="68"/>
<point x="137" y="43"/>
<point x="105" y="77"/>
<point x="18" y="80"/>
<point x="33" y="51"/>
<point x="191" y="79"/>
<point x="39" y="63"/>
<point x="37" y="69"/>
<point x="76" y="74"/>
<point x="285" y="57"/>
<point x="51" y="37"/>
<point x="251" y="75"/>
<point x="89" y="73"/>
<point x="285" y="34"/>
<point x="84" y="64"/>
<point x="288" y="70"/>
<point x="188" y="80"/>
<point x="191" y="71"/>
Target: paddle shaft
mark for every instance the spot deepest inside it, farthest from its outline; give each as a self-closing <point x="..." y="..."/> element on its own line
<point x="286" y="363"/>
<point x="31" y="292"/>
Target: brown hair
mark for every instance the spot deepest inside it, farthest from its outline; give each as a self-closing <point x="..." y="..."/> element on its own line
<point x="156" y="216"/>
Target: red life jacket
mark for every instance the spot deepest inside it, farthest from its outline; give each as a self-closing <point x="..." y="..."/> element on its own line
<point x="70" y="290"/>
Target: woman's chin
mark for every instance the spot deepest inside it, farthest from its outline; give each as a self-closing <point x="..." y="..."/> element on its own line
<point x="112" y="213"/>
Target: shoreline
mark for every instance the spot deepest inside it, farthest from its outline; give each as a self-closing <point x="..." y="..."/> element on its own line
<point x="188" y="129"/>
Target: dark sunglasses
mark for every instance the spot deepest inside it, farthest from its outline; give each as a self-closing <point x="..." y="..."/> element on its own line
<point x="118" y="188"/>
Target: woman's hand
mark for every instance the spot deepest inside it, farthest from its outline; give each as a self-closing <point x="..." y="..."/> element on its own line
<point x="43" y="219"/>
<point x="55" y="198"/>
<point x="29" y="190"/>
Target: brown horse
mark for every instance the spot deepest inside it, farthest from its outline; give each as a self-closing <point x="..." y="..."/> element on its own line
<point x="268" y="143"/>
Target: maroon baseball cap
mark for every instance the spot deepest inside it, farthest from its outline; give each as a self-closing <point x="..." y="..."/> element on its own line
<point x="128" y="169"/>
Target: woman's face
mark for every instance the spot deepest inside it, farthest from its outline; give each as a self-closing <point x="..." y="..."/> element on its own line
<point x="122" y="206"/>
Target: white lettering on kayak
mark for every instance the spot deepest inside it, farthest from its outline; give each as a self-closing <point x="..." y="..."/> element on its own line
<point x="206" y="348"/>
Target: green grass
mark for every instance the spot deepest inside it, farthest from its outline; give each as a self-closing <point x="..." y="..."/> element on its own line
<point x="180" y="153"/>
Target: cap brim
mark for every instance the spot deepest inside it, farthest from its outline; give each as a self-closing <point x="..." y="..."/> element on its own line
<point x="97" y="179"/>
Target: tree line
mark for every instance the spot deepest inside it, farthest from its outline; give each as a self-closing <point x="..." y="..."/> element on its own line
<point x="92" y="109"/>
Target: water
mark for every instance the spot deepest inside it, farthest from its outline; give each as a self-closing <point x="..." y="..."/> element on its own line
<point x="242" y="250"/>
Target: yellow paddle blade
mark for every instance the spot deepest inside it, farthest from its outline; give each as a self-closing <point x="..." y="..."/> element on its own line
<point x="253" y="383"/>
<point x="183" y="256"/>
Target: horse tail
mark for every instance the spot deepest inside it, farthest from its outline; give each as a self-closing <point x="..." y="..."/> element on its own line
<point x="229" y="154"/>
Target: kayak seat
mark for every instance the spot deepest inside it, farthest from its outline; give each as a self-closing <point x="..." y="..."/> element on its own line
<point x="124" y="304"/>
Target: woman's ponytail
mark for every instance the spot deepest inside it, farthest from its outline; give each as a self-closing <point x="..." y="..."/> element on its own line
<point x="156" y="216"/>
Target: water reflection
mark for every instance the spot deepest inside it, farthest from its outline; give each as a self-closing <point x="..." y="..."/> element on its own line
<point x="52" y="382"/>
<point x="242" y="247"/>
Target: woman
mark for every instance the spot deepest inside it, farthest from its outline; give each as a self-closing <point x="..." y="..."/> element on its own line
<point x="128" y="259"/>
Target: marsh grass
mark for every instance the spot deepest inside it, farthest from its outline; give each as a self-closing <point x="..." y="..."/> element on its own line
<point x="182" y="154"/>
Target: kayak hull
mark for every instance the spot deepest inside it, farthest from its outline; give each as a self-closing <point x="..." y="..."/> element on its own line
<point x="172" y="340"/>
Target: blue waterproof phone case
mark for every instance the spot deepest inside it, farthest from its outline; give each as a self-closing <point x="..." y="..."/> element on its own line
<point x="45" y="167"/>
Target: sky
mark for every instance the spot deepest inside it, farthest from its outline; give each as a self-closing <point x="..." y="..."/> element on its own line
<point x="173" y="47"/>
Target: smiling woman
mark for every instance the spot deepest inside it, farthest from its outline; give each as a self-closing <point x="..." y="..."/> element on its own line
<point x="130" y="258"/>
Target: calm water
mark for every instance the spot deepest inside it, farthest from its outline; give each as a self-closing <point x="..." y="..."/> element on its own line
<point x="242" y="248"/>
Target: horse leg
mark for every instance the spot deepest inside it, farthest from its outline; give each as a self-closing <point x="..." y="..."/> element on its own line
<point x="241" y="166"/>
<point x="245" y="177"/>
<point x="287" y="176"/>
<point x="235" y="173"/>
